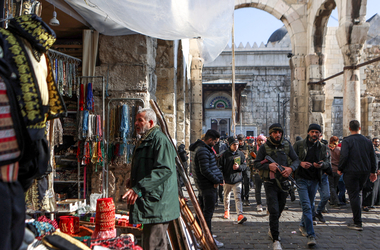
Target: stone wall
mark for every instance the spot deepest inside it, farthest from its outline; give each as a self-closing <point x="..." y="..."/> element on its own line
<point x="128" y="62"/>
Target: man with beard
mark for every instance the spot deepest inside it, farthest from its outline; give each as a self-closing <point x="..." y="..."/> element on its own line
<point x="357" y="162"/>
<point x="153" y="189"/>
<point x="261" y="139"/>
<point x="207" y="176"/>
<point x="314" y="159"/>
<point x="276" y="183"/>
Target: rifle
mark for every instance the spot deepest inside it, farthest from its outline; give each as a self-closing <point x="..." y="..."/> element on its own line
<point x="253" y="155"/>
<point x="281" y="169"/>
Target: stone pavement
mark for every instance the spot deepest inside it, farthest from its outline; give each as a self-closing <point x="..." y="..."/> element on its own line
<point x="334" y="234"/>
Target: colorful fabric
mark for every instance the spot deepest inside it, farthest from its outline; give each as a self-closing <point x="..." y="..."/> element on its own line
<point x="41" y="37"/>
<point x="124" y="124"/>
<point x="89" y="98"/>
<point x="120" y="243"/>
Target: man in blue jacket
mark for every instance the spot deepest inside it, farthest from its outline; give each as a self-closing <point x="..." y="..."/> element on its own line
<point x="153" y="193"/>
<point x="357" y="162"/>
<point x="207" y="175"/>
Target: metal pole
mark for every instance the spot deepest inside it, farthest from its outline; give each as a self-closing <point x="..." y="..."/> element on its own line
<point x="233" y="127"/>
<point x="278" y="108"/>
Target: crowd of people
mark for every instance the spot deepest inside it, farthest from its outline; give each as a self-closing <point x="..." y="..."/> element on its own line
<point x="237" y="165"/>
<point x="310" y="165"/>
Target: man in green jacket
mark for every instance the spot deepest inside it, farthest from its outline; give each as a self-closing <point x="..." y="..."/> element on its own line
<point x="153" y="190"/>
<point x="314" y="159"/>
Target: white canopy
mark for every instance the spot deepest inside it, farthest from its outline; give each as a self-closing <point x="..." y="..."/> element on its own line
<point x="208" y="20"/>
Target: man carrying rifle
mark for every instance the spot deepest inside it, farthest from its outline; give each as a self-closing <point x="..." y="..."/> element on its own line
<point x="276" y="183"/>
<point x="314" y="159"/>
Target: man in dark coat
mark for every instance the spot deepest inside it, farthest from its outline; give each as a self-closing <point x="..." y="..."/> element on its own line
<point x="357" y="162"/>
<point x="275" y="182"/>
<point x="207" y="175"/>
<point x="153" y="193"/>
<point x="232" y="164"/>
<point x="314" y="160"/>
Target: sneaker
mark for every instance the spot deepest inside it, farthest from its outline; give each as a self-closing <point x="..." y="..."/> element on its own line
<point x="259" y="208"/>
<point x="366" y="209"/>
<point x="355" y="226"/>
<point x="271" y="237"/>
<point x="325" y="211"/>
<point x="277" y="245"/>
<point x="241" y="219"/>
<point x="303" y="231"/>
<point x="315" y="222"/>
<point x="319" y="216"/>
<point x="246" y="203"/>
<point x="311" y="241"/>
<point x="226" y="214"/>
<point x="218" y="243"/>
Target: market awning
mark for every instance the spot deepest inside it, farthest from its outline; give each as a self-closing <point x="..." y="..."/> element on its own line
<point x="210" y="21"/>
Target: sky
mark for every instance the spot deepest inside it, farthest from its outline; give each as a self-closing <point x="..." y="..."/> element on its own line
<point x="254" y="25"/>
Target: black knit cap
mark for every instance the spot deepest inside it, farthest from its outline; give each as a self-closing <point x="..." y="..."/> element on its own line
<point x="314" y="126"/>
<point x="275" y="127"/>
<point x="232" y="140"/>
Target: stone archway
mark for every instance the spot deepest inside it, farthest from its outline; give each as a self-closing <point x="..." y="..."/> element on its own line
<point x="294" y="17"/>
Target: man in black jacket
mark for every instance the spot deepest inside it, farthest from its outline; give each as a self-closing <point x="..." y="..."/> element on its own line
<point x="314" y="159"/>
<point x="357" y="162"/>
<point x="207" y="175"/>
<point x="232" y="164"/>
<point x="275" y="182"/>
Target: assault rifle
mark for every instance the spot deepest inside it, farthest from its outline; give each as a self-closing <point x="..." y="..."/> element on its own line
<point x="281" y="169"/>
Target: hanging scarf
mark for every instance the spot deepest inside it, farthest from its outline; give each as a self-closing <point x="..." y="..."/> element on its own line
<point x="85" y="123"/>
<point x="60" y="76"/>
<point x="124" y="123"/>
<point x="99" y="133"/>
<point x="70" y="80"/>
<point x="89" y="98"/>
<point x="100" y="154"/>
<point x="110" y="154"/>
<point x="94" y="158"/>
<point x="90" y="126"/>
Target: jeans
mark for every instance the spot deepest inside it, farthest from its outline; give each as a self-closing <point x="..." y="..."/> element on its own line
<point x="207" y="204"/>
<point x="276" y="200"/>
<point x="306" y="192"/>
<point x="236" y="188"/>
<point x="324" y="192"/>
<point x="342" y="190"/>
<point x="258" y="185"/>
<point x="245" y="188"/>
<point x="354" y="184"/>
<point x="333" y="182"/>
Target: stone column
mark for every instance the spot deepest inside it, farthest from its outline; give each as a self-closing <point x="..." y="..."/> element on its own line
<point x="316" y="100"/>
<point x="181" y="98"/>
<point x="167" y="83"/>
<point x="299" y="117"/>
<point x="196" y="115"/>
<point x="351" y="36"/>
<point x="367" y="115"/>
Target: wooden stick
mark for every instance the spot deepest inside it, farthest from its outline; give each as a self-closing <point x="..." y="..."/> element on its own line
<point x="210" y="243"/>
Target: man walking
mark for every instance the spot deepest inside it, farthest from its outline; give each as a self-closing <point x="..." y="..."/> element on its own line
<point x="275" y="182"/>
<point x="261" y="139"/>
<point x="232" y="164"/>
<point x="243" y="147"/>
<point x="314" y="159"/>
<point x="153" y="193"/>
<point x="207" y="175"/>
<point x="357" y="162"/>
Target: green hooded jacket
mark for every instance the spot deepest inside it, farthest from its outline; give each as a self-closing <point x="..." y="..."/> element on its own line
<point x="154" y="179"/>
